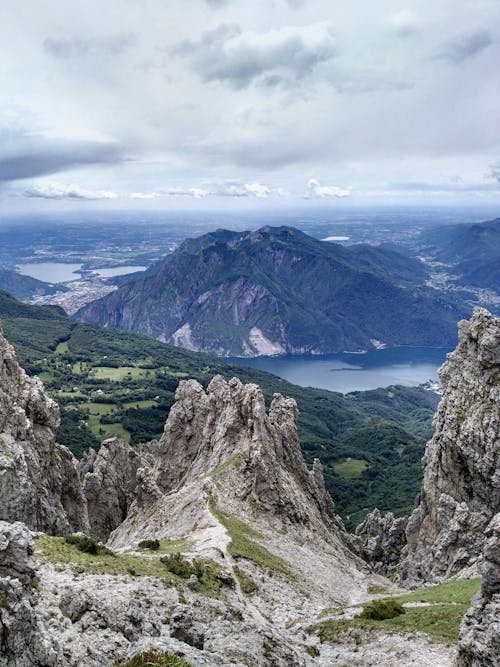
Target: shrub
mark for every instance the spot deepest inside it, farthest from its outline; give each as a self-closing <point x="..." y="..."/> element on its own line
<point x="177" y="564"/>
<point x="153" y="545"/>
<point x="88" y="545"/>
<point x="154" y="659"/>
<point x="381" y="610"/>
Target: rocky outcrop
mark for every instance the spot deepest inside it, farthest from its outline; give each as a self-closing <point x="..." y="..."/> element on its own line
<point x="382" y="538"/>
<point x="23" y="640"/>
<point x="39" y="481"/>
<point x="461" y="485"/>
<point x="479" y="643"/>
<point x="224" y="442"/>
<point x="109" y="482"/>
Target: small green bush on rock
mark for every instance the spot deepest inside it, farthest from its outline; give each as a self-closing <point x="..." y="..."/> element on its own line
<point x="177" y="564"/>
<point x="87" y="545"/>
<point x="381" y="610"/>
<point x="154" y="659"/>
<point x="153" y="545"/>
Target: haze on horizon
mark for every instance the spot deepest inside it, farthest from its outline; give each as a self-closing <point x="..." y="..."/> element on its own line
<point x="154" y="104"/>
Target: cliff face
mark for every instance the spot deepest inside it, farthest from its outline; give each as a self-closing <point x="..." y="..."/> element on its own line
<point x="479" y="642"/>
<point x="461" y="485"/>
<point x="221" y="456"/>
<point x="39" y="482"/>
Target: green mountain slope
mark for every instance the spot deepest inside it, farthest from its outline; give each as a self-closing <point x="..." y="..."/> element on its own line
<point x="114" y="382"/>
<point x="25" y="287"/>
<point x="278" y="290"/>
<point x="472" y="250"/>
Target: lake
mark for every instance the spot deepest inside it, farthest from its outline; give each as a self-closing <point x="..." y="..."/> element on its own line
<point x="51" y="272"/>
<point x="345" y="372"/>
<point x="59" y="272"/>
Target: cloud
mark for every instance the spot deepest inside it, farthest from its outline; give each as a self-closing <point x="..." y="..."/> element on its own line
<point x="226" y="189"/>
<point x="71" y="47"/>
<point x="494" y="172"/>
<point x="72" y="191"/>
<point x="217" y="3"/>
<point x="464" y="46"/>
<point x="278" y="57"/>
<point x="26" y="155"/>
<point x="404" y="23"/>
<point x="195" y="193"/>
<point x="317" y="191"/>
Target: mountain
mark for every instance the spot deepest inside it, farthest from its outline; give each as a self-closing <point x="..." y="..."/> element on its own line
<point x="472" y="251"/>
<point x="277" y="290"/>
<point x="460" y="490"/>
<point x="225" y="547"/>
<point x="110" y="382"/>
<point x="26" y="287"/>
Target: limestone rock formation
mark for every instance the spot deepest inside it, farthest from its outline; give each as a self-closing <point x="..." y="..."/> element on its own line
<point x="382" y="540"/>
<point x="39" y="481"/>
<point x="109" y="482"/>
<point x="479" y="643"/>
<point x="222" y="452"/>
<point x="23" y="640"/>
<point x="461" y="485"/>
<point x="224" y="441"/>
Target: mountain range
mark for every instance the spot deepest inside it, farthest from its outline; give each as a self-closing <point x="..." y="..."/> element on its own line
<point x="277" y="290"/>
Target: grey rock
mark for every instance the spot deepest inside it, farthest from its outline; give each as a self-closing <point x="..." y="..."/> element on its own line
<point x="382" y="540"/>
<point x="185" y="628"/>
<point x="23" y="639"/>
<point x="110" y="480"/>
<point x="461" y="486"/>
<point x="479" y="641"/>
<point x="39" y="482"/>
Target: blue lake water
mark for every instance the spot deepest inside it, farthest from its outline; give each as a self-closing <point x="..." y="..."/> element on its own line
<point x="409" y="366"/>
<point x="118" y="271"/>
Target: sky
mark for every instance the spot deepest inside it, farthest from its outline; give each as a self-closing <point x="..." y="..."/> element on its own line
<point x="166" y="103"/>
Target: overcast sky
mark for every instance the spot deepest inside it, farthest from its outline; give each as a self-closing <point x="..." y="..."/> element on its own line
<point x="150" y="103"/>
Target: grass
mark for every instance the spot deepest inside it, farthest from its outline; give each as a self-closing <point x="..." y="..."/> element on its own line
<point x="243" y="544"/>
<point x="4" y="603"/>
<point x="350" y="468"/>
<point x="247" y="584"/>
<point x="140" y="405"/>
<point x="180" y="545"/>
<point x="62" y="348"/>
<point x="232" y="461"/>
<point x="447" y="604"/>
<point x="119" y="374"/>
<point x="458" y="591"/>
<point x="152" y="658"/>
<point x="56" y="550"/>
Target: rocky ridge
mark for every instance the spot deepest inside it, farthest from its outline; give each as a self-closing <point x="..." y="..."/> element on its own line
<point x="39" y="481"/>
<point x="461" y="485"/>
<point x="479" y="643"/>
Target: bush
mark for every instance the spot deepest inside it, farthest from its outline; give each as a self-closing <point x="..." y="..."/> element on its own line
<point x="154" y="659"/>
<point x="153" y="545"/>
<point x="177" y="564"/>
<point x="381" y="610"/>
<point x="88" y="545"/>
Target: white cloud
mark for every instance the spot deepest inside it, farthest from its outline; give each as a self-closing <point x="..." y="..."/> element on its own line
<point x="404" y="23"/>
<point x="317" y="191"/>
<point x="72" y="191"/>
<point x="278" y="57"/>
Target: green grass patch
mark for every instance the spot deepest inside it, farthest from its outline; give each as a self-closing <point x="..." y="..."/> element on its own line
<point x="154" y="659"/>
<point x="247" y="584"/>
<point x="441" y="618"/>
<point x="243" y="544"/>
<point x="57" y="550"/>
<point x="350" y="468"/>
<point x="4" y="604"/>
<point x="382" y="610"/>
<point x="377" y="589"/>
<point x="207" y="571"/>
<point x="62" y="348"/>
<point x="180" y="545"/>
<point x="231" y="462"/>
<point x="459" y="591"/>
<point x="139" y="405"/>
<point x="119" y="374"/>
